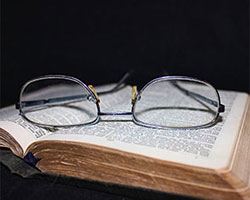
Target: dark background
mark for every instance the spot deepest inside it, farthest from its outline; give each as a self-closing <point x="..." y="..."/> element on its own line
<point x="98" y="41"/>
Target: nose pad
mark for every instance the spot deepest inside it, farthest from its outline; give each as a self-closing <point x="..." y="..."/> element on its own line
<point x="134" y="94"/>
<point x="93" y="90"/>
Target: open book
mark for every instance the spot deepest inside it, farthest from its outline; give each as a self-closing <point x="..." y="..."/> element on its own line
<point x="195" y="162"/>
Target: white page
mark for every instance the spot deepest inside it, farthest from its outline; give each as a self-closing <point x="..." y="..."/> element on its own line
<point x="210" y="147"/>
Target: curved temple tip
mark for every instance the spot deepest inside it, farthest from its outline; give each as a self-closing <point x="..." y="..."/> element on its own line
<point x="93" y="90"/>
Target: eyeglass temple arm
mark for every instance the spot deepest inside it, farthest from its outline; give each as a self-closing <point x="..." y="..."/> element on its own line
<point x="71" y="98"/>
<point x="52" y="100"/>
<point x="118" y="84"/>
<point x="211" y="102"/>
<point x="187" y="92"/>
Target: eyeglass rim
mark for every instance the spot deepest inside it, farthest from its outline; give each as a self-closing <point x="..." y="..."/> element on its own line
<point x="65" y="77"/>
<point x="168" y="78"/>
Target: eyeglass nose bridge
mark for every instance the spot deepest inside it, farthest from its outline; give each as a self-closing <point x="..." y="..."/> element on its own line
<point x="115" y="113"/>
<point x="115" y="116"/>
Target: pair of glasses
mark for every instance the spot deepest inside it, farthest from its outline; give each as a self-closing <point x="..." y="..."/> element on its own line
<point x="58" y="101"/>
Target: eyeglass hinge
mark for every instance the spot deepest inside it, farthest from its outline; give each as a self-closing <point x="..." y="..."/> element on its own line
<point x="221" y="108"/>
<point x="17" y="105"/>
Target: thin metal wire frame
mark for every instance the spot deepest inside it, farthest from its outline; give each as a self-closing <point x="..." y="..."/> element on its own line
<point x="21" y="104"/>
<point x="220" y="107"/>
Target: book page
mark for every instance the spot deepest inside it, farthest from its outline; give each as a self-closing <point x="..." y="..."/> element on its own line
<point x="22" y="131"/>
<point x="207" y="147"/>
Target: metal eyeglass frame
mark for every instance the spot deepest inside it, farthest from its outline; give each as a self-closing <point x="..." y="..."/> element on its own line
<point x="135" y="98"/>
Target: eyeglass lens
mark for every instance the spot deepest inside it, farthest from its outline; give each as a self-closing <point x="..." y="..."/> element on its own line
<point x="58" y="102"/>
<point x="177" y="103"/>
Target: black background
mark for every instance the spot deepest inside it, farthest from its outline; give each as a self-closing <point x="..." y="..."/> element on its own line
<point x="98" y="41"/>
